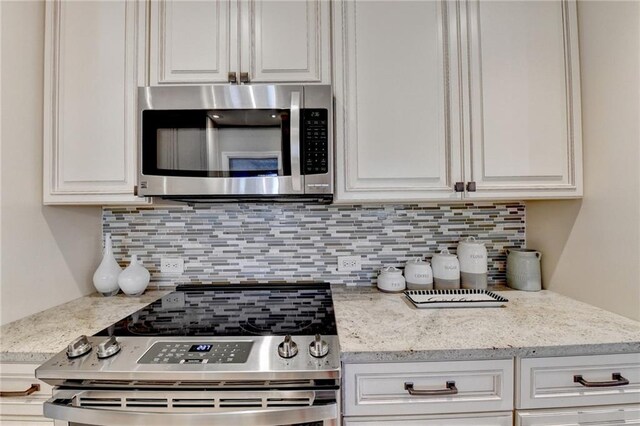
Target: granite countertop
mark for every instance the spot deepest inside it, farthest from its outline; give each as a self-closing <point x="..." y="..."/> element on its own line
<point x="38" y="337"/>
<point x="375" y="326"/>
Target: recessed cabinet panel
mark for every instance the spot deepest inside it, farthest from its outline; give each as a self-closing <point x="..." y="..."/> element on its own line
<point x="473" y="419"/>
<point x="524" y="98"/>
<point x="90" y="100"/>
<point x="190" y="41"/>
<point x="288" y="41"/>
<point x="577" y="416"/>
<point x="101" y="82"/>
<point x="394" y="108"/>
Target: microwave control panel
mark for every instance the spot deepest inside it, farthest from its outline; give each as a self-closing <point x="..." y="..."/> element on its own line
<point x="315" y="141"/>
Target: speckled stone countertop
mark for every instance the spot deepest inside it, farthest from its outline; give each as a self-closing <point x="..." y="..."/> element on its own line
<point x="38" y="337"/>
<point x="375" y="326"/>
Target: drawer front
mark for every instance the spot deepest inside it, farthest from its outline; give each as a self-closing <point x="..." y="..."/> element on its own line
<point x="20" y="377"/>
<point x="460" y="387"/>
<point x="550" y="382"/>
<point x="605" y="415"/>
<point x="472" y="419"/>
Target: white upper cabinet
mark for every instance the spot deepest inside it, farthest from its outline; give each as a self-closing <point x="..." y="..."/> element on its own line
<point x="200" y="42"/>
<point x="190" y="41"/>
<point x="91" y="75"/>
<point x="524" y="106"/>
<point x="480" y="93"/>
<point x="397" y="130"/>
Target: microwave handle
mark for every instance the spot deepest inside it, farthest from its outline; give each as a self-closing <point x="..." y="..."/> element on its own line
<point x="294" y="135"/>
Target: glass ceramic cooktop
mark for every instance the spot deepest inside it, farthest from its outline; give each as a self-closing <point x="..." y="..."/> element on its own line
<point x="234" y="310"/>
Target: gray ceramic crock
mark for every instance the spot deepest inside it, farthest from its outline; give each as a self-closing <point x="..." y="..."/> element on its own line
<point x="523" y="269"/>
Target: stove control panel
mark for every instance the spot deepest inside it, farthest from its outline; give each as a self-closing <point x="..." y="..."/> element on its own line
<point x="227" y="352"/>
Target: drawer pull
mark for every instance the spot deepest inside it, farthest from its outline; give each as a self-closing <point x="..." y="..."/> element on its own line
<point x="450" y="390"/>
<point x="33" y="388"/>
<point x="617" y="380"/>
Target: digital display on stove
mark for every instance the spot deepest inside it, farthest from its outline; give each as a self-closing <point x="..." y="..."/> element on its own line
<point x="200" y="348"/>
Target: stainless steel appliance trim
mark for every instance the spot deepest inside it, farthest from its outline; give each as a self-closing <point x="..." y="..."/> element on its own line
<point x="263" y="362"/>
<point x="296" y="181"/>
<point x="242" y="417"/>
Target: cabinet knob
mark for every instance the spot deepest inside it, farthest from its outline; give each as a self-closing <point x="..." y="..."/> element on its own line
<point x="244" y="77"/>
<point x="459" y="187"/>
<point x="233" y="77"/>
<point x="471" y="187"/>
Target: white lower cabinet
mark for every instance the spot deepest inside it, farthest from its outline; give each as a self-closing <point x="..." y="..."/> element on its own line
<point x="22" y="410"/>
<point x="429" y="393"/>
<point x="602" y="415"/>
<point x="473" y="419"/>
<point x="578" y="390"/>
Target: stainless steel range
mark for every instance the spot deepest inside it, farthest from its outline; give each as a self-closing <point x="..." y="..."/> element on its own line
<point x="215" y="355"/>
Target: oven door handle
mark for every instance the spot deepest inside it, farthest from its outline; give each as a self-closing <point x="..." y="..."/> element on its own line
<point x="240" y="417"/>
<point x="294" y="138"/>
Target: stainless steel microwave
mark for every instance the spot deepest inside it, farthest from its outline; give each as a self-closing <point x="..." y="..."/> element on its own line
<point x="235" y="142"/>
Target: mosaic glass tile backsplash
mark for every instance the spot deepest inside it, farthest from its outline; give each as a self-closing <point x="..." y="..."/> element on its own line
<point x="294" y="242"/>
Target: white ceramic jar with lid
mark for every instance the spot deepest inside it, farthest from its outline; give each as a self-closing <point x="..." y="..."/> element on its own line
<point x="391" y="280"/>
<point x="472" y="255"/>
<point x="418" y="274"/>
<point x="446" y="270"/>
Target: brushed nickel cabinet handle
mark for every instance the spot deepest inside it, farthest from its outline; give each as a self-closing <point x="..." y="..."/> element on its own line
<point x="451" y="389"/>
<point x="616" y="380"/>
<point x="244" y="77"/>
<point x="34" y="388"/>
<point x="233" y="77"/>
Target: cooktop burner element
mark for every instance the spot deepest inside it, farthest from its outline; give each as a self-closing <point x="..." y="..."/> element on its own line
<point x="234" y="310"/>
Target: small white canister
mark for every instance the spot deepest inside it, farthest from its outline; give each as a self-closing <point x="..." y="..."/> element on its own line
<point x="391" y="280"/>
<point x="472" y="255"/>
<point x="446" y="270"/>
<point x="418" y="274"/>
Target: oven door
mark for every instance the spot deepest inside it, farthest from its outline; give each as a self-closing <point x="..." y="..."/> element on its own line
<point x="174" y="408"/>
<point x="220" y="141"/>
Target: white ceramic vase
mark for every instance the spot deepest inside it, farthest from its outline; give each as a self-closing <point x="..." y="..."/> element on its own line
<point x="105" y="279"/>
<point x="134" y="279"/>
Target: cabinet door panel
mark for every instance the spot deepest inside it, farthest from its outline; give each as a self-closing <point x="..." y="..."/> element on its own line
<point x="90" y="101"/>
<point x="524" y="106"/>
<point x="473" y="419"/>
<point x="576" y="416"/>
<point x="190" y="41"/>
<point x="395" y="110"/>
<point x="287" y="41"/>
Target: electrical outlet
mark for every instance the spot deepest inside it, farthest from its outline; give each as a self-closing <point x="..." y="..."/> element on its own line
<point x="173" y="300"/>
<point x="349" y="263"/>
<point x="172" y="265"/>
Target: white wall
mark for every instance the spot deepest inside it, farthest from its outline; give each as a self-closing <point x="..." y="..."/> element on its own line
<point x="47" y="254"/>
<point x="591" y="247"/>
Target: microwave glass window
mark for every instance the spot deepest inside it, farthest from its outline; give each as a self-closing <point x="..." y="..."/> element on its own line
<point x="219" y="143"/>
<point x="251" y="166"/>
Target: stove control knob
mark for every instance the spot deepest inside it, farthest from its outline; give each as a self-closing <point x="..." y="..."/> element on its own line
<point x="80" y="346"/>
<point x="288" y="348"/>
<point x="108" y="348"/>
<point x="318" y="348"/>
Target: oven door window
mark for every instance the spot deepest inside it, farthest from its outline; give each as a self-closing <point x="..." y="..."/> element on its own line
<point x="216" y="143"/>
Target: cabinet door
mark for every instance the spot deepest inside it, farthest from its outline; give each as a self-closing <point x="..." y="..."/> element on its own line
<point x="397" y="115"/>
<point x="91" y="60"/>
<point x="285" y="41"/>
<point x="576" y="416"/>
<point x="473" y="419"/>
<point x="22" y="410"/>
<point x="191" y="41"/>
<point x="524" y="107"/>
